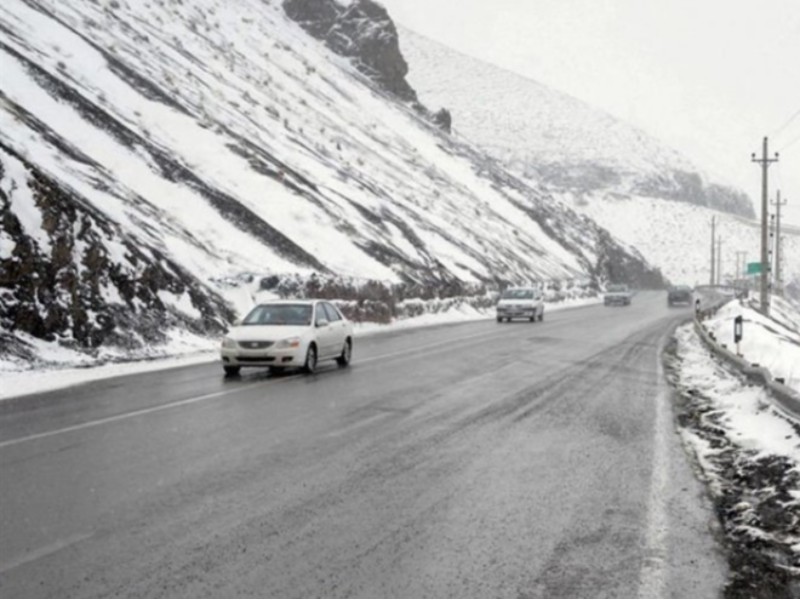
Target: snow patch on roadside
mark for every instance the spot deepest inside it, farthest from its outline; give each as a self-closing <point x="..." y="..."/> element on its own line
<point x="772" y="342"/>
<point x="749" y="453"/>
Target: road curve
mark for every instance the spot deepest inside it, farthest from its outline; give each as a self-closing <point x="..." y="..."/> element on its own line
<point x="474" y="460"/>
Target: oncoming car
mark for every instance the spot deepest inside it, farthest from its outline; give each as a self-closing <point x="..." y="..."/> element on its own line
<point x="618" y="294"/>
<point x="288" y="334"/>
<point x="520" y="303"/>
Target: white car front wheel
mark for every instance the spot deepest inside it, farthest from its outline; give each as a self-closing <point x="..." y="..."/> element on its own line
<point x="347" y="353"/>
<point x="311" y="359"/>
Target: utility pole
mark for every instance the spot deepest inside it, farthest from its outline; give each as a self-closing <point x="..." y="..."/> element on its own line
<point x="778" y="280"/>
<point x="713" y="248"/>
<point x="765" y="162"/>
<point x="719" y="260"/>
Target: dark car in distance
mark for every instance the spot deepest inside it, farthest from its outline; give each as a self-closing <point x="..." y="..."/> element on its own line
<point x="679" y="294"/>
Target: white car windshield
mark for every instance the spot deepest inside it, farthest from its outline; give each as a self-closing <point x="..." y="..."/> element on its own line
<point x="279" y="314"/>
<point x="618" y="288"/>
<point x="518" y="295"/>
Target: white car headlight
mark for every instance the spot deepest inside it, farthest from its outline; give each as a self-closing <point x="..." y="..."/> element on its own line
<point x="228" y="342"/>
<point x="293" y="342"/>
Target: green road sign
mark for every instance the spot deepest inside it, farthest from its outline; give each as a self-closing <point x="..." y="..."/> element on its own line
<point x="753" y="268"/>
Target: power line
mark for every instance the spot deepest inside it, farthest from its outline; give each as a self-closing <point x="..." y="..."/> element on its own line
<point x="787" y="123"/>
<point x="792" y="143"/>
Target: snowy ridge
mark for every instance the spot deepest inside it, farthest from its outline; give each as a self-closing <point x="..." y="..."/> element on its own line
<point x="525" y="121"/>
<point x="677" y="236"/>
<point x="640" y="190"/>
<point x="223" y="140"/>
<point x="552" y="137"/>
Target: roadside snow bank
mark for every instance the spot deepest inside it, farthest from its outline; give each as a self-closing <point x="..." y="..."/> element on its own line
<point x="20" y="379"/>
<point x="772" y="342"/>
<point x="749" y="454"/>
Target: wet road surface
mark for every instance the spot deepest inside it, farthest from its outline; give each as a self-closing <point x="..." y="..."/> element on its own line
<point x="480" y="459"/>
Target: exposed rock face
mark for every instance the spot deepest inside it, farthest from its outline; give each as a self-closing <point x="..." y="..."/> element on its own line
<point x="678" y="185"/>
<point x="362" y="31"/>
<point x="685" y="186"/>
<point x="443" y="119"/>
<point x="67" y="273"/>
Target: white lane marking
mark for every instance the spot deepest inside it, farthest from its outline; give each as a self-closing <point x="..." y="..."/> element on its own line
<point x="44" y="551"/>
<point x="653" y="575"/>
<point x="137" y="413"/>
<point x="187" y="401"/>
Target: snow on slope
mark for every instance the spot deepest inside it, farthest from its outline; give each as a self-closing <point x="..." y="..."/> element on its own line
<point x="677" y="236"/>
<point x="552" y="137"/>
<point x="223" y="141"/>
<point x="224" y="103"/>
<point x="267" y="74"/>
<point x="519" y="119"/>
<point x="594" y="164"/>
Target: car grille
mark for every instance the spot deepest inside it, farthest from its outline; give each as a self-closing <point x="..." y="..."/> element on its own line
<point x="255" y="345"/>
<point x="255" y="358"/>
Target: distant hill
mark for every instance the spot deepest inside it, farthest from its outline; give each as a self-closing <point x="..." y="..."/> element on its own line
<point x="642" y="191"/>
<point x="552" y="138"/>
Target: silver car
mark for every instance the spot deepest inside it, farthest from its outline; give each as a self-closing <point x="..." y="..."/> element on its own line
<point x="520" y="303"/>
<point x="617" y="294"/>
<point x="288" y="334"/>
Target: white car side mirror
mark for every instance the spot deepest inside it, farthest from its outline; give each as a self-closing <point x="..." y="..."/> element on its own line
<point x="322" y="322"/>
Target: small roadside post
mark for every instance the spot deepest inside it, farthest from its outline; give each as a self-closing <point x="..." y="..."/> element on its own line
<point x="738" y="324"/>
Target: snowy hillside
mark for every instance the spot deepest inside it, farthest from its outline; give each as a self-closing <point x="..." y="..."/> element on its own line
<point x="594" y="164"/>
<point x="153" y="155"/>
<point x="554" y="138"/>
<point x="677" y="236"/>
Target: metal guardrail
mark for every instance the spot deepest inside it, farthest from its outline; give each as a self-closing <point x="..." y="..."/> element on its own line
<point x="787" y="398"/>
<point x="756" y="224"/>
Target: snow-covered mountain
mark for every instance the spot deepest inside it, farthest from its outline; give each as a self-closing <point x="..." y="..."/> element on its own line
<point x="155" y="154"/>
<point x="551" y="137"/>
<point x="677" y="237"/>
<point x="644" y="192"/>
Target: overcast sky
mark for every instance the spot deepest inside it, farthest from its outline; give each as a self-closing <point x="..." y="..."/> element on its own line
<point x="709" y="77"/>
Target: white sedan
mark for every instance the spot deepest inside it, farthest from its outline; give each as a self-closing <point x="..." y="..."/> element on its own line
<point x="288" y="334"/>
<point x="520" y="302"/>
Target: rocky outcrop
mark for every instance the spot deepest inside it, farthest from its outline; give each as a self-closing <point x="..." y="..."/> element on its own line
<point x="685" y="186"/>
<point x="443" y="119"/>
<point x="70" y="275"/>
<point x="361" y="31"/>
<point x="364" y="32"/>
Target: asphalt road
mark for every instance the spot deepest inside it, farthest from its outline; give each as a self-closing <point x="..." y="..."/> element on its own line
<point x="474" y="460"/>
